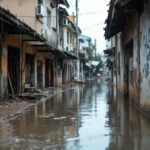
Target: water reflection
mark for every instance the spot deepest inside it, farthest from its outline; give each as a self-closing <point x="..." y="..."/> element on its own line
<point x="81" y="117"/>
<point x="129" y="129"/>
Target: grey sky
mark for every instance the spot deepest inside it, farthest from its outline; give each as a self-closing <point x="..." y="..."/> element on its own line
<point x="92" y="15"/>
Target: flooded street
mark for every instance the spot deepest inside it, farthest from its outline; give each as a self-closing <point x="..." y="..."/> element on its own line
<point x="83" y="117"/>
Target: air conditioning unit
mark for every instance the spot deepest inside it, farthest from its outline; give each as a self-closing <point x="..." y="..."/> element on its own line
<point x="65" y="21"/>
<point x="40" y="10"/>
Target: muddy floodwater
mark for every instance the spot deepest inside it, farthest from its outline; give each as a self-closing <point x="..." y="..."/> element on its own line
<point x="78" y="117"/>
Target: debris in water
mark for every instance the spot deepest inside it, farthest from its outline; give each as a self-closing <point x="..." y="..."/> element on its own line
<point x="60" y="118"/>
<point x="72" y="139"/>
<point x="47" y="115"/>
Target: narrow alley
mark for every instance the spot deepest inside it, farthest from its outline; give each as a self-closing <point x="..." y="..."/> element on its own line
<point x="77" y="117"/>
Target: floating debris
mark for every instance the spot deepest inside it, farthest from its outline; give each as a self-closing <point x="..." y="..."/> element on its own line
<point x="73" y="118"/>
<point x="60" y="118"/>
<point x="72" y="139"/>
<point x="47" y="115"/>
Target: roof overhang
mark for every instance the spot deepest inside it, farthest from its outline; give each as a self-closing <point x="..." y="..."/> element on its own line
<point x="88" y="65"/>
<point x="11" y="25"/>
<point x="63" y="11"/>
<point x="118" y="14"/>
<point x="46" y="48"/>
<point x="70" y="55"/>
<point x="109" y="51"/>
<point x="64" y="2"/>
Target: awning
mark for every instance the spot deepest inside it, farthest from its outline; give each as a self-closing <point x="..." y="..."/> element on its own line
<point x="46" y="48"/>
<point x="88" y="64"/>
<point x="109" y="51"/>
<point x="94" y="63"/>
<point x="63" y="11"/>
<point x="70" y="55"/>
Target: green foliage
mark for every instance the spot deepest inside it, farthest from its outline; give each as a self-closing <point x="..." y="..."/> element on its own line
<point x="98" y="57"/>
<point x="91" y="57"/>
<point x="89" y="53"/>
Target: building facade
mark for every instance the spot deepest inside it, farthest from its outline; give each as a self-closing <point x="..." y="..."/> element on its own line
<point x="32" y="51"/>
<point x="128" y="21"/>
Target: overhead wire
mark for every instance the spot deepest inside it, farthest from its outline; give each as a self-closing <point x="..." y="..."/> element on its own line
<point x="92" y="26"/>
<point x="94" y="12"/>
<point x="81" y="14"/>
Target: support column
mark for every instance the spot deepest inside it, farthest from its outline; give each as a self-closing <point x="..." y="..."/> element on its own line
<point x="35" y="70"/>
<point x="43" y="72"/>
<point x="3" y="70"/>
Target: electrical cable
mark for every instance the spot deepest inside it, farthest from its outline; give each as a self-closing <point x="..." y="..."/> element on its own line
<point x="82" y="14"/>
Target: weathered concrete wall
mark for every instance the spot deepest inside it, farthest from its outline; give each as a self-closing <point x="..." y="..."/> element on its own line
<point x="119" y="63"/>
<point x="137" y="30"/>
<point x="65" y="44"/>
<point x="58" y="72"/>
<point x="24" y="48"/>
<point x="70" y="44"/>
<point x="130" y="33"/>
<point x="48" y="31"/>
<point x="68" y="72"/>
<point x="145" y="58"/>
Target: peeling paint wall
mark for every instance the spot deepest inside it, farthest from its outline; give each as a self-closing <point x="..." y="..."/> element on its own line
<point x="145" y="57"/>
<point x="137" y="32"/>
<point x="68" y="71"/>
<point x="130" y="74"/>
<point x="119" y="63"/>
<point x="48" y="32"/>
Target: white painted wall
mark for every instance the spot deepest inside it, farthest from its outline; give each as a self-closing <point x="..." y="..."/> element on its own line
<point x="47" y="32"/>
<point x="71" y="43"/>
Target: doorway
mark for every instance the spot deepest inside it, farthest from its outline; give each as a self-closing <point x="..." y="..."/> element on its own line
<point x="48" y="73"/>
<point x="29" y="69"/>
<point x="128" y="73"/>
<point x="39" y="74"/>
<point x="13" y="70"/>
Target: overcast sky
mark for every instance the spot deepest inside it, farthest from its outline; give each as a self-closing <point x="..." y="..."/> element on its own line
<point x="92" y="15"/>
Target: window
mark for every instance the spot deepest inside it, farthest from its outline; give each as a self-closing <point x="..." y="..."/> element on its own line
<point x="67" y="37"/>
<point x="48" y="19"/>
<point x="70" y="38"/>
